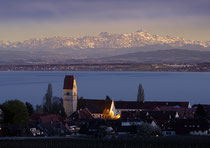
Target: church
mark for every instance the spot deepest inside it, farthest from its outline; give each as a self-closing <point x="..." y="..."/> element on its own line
<point x="69" y="95"/>
<point x="104" y="109"/>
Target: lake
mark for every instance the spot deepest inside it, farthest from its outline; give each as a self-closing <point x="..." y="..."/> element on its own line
<point x="158" y="86"/>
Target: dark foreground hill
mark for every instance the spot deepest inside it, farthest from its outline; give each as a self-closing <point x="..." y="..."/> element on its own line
<point x="94" y="56"/>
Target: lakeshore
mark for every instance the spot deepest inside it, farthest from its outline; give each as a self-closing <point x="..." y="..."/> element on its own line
<point x="172" y="67"/>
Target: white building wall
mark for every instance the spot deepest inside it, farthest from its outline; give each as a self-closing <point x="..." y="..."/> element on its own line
<point x="199" y="132"/>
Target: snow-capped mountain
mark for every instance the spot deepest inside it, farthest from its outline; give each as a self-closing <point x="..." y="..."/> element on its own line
<point x="97" y="48"/>
<point x="105" y="40"/>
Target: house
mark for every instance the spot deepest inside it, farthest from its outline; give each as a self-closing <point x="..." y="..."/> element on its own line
<point x="162" y="118"/>
<point x="134" y="116"/>
<point x="92" y="127"/>
<point x="80" y="117"/>
<point x="147" y="105"/>
<point x="157" y="117"/>
<point x="81" y="114"/>
<point x="151" y="105"/>
<point x="192" y="127"/>
<point x="50" y="118"/>
<point x="128" y="106"/>
<point x="184" y="113"/>
<point x="136" y="121"/>
<point x="169" y="129"/>
<point x="69" y="95"/>
<point x="45" y="118"/>
<point x="47" y="124"/>
<point x="103" y="109"/>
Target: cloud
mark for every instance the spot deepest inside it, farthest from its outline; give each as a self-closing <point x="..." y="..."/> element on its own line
<point x="22" y="19"/>
<point x="101" y="9"/>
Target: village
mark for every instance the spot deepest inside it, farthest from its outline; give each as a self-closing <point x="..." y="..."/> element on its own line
<point x="85" y="66"/>
<point x="106" y="118"/>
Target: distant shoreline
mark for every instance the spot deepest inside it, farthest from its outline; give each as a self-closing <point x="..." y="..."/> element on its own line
<point x="103" y="71"/>
<point x="138" y="67"/>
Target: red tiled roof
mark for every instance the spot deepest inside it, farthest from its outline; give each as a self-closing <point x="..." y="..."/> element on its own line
<point x="183" y="112"/>
<point x="49" y="118"/>
<point x="36" y="117"/>
<point x="133" y="115"/>
<point x="154" y="104"/>
<point x="158" y="116"/>
<point x="128" y="105"/>
<point x="148" y="105"/>
<point x="162" y="115"/>
<point x="94" y="106"/>
<point x="68" y="82"/>
<point x="82" y="114"/>
<point x="45" y="118"/>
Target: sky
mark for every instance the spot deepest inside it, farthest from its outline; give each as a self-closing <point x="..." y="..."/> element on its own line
<point x="25" y="19"/>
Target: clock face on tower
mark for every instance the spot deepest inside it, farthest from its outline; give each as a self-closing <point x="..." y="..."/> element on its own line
<point x="68" y="93"/>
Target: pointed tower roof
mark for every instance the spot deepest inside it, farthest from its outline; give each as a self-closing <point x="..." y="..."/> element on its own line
<point x="68" y="82"/>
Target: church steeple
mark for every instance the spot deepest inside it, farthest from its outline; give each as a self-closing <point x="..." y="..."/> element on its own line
<point x="70" y="95"/>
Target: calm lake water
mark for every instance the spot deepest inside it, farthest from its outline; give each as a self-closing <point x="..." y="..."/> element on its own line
<point x="171" y="86"/>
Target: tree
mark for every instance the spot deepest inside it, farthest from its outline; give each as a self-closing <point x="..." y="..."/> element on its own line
<point x="81" y="98"/>
<point x="30" y="108"/>
<point x="47" y="107"/>
<point x="57" y="107"/>
<point x="140" y="95"/>
<point x="15" y="113"/>
<point x="39" y="109"/>
<point x="147" y="129"/>
<point x="200" y="112"/>
<point x="108" y="98"/>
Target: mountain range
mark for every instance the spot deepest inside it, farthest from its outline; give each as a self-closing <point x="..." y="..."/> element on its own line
<point x="139" y="38"/>
<point x="132" y="47"/>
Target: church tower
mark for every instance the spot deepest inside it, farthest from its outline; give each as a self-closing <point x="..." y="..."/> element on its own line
<point x="69" y="95"/>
